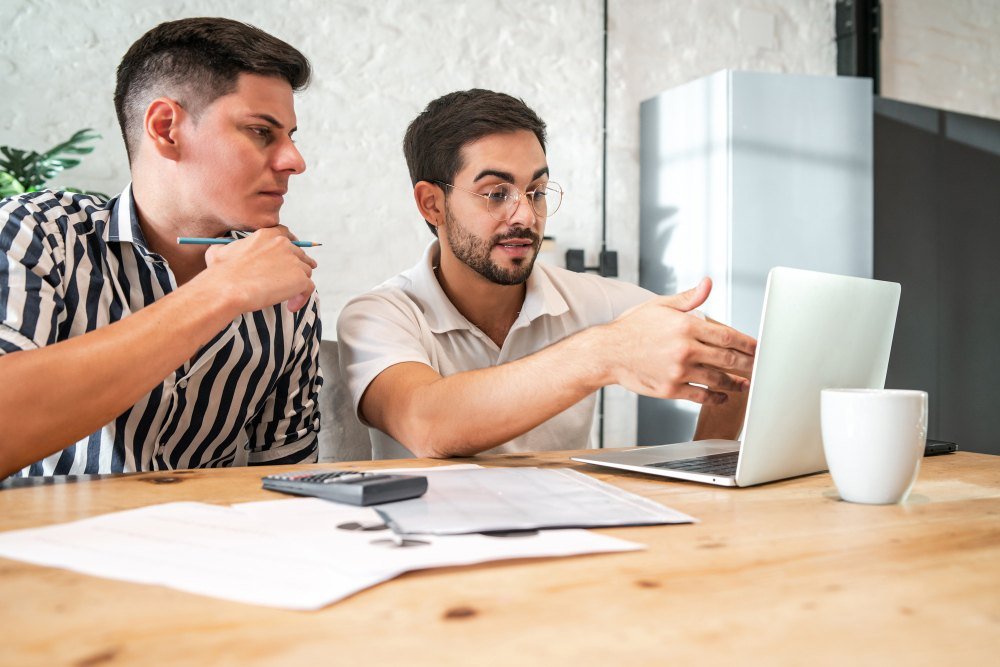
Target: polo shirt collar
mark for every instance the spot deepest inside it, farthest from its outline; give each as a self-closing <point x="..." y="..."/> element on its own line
<point x="541" y="298"/>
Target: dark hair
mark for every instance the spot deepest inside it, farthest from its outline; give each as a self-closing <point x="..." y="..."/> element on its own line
<point x="434" y="140"/>
<point x="196" y="61"/>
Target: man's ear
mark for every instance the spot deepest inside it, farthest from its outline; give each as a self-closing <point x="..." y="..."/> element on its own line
<point x="161" y="127"/>
<point x="430" y="201"/>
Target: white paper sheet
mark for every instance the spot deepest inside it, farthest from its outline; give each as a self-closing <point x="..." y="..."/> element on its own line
<point x="490" y="499"/>
<point x="375" y="551"/>
<point x="294" y="553"/>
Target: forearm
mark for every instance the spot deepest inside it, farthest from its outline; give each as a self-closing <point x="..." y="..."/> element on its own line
<point x="466" y="413"/>
<point x="55" y="395"/>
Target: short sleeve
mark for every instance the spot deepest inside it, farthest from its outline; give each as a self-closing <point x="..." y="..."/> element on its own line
<point x="290" y="420"/>
<point x="31" y="301"/>
<point x="622" y="296"/>
<point x="375" y="332"/>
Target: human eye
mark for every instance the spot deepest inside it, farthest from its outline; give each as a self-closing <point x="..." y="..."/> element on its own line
<point x="263" y="132"/>
<point x="500" y="193"/>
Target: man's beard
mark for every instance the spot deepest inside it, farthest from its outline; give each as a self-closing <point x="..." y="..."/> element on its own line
<point x="475" y="252"/>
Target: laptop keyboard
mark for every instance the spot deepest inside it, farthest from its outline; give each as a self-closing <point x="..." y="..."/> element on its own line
<point x="713" y="464"/>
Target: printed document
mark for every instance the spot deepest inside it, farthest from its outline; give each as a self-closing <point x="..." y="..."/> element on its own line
<point x="494" y="499"/>
<point x="301" y="553"/>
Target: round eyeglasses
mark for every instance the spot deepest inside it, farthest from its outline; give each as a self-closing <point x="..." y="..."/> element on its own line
<point x="503" y="199"/>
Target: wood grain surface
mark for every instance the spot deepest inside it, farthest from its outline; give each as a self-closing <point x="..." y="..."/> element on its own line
<point x="780" y="574"/>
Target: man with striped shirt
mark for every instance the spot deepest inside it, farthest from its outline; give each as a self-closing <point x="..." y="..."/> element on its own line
<point x="121" y="350"/>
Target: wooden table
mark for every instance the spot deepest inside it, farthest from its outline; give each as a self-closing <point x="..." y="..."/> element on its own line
<point x="784" y="573"/>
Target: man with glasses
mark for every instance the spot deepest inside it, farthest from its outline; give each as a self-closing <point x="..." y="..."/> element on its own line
<point x="478" y="348"/>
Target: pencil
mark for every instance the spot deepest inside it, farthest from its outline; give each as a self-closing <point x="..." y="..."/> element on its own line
<point x="187" y="240"/>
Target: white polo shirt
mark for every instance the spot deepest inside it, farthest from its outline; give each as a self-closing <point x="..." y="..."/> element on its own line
<point x="409" y="318"/>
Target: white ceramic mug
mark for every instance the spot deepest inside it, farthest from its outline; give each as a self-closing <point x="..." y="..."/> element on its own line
<point x="874" y="441"/>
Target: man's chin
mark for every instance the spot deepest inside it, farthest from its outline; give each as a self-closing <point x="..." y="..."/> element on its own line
<point x="514" y="275"/>
<point x="258" y="223"/>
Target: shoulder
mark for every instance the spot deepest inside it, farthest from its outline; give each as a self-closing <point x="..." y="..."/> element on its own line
<point x="54" y="205"/>
<point x="383" y="305"/>
<point x="52" y="214"/>
<point x="588" y="290"/>
<point x="395" y="296"/>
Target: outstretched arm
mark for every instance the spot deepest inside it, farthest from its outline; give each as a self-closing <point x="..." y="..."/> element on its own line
<point x="656" y="349"/>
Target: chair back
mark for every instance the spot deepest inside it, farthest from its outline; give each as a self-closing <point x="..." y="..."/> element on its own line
<point x="341" y="437"/>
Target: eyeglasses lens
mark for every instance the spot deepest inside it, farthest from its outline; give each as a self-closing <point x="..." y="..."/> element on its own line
<point x="503" y="199"/>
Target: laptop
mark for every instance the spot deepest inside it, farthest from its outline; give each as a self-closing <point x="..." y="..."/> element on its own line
<point x="817" y="330"/>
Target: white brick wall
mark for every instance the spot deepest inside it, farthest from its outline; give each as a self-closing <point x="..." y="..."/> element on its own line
<point x="378" y="63"/>
<point x="943" y="54"/>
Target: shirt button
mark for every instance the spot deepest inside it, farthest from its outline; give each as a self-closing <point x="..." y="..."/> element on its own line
<point x="182" y="384"/>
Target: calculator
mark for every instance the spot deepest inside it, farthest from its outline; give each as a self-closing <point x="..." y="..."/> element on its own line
<point x="349" y="486"/>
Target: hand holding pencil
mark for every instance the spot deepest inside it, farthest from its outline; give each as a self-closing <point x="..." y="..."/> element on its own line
<point x="263" y="269"/>
<point x="191" y="240"/>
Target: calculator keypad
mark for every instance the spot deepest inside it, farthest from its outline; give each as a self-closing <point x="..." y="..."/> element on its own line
<point x="340" y="476"/>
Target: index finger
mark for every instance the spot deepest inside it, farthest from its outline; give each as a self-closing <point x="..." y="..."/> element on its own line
<point x="713" y="333"/>
<point x="287" y="232"/>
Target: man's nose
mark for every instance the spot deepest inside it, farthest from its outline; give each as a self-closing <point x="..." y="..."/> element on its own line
<point x="289" y="158"/>
<point x="523" y="214"/>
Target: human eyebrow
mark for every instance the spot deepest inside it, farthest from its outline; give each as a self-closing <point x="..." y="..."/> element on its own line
<point x="271" y="120"/>
<point x="544" y="171"/>
<point x="502" y="175"/>
<point x="267" y="118"/>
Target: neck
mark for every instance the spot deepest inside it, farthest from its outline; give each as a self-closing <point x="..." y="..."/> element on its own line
<point x="491" y="307"/>
<point x="162" y="223"/>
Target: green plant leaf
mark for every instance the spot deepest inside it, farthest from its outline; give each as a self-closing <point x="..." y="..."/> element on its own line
<point x="54" y="160"/>
<point x="73" y="144"/>
<point x="9" y="186"/>
<point x="32" y="170"/>
<point x="22" y="165"/>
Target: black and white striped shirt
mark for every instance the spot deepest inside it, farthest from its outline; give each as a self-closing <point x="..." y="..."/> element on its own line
<point x="72" y="263"/>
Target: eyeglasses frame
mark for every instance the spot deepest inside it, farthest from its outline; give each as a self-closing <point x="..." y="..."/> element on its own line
<point x="517" y="204"/>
